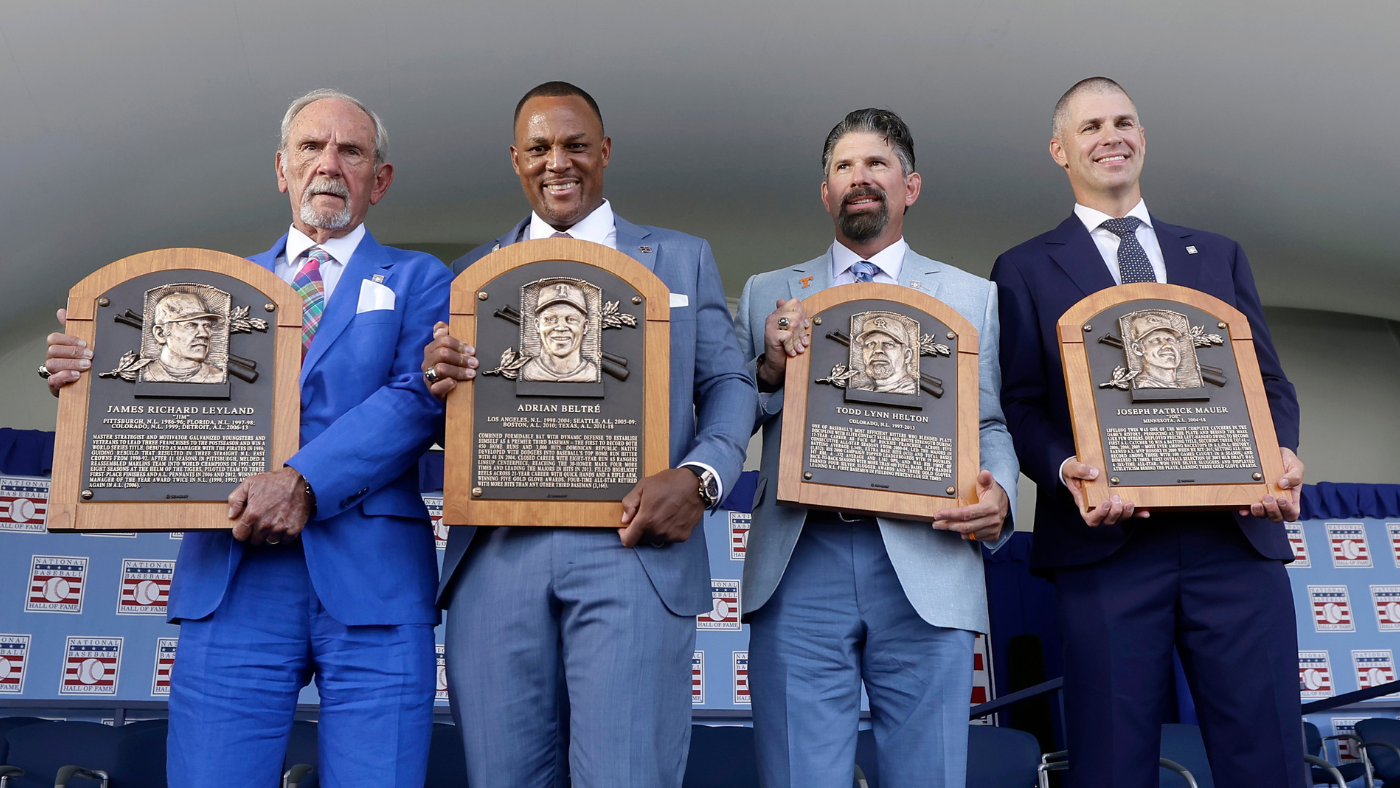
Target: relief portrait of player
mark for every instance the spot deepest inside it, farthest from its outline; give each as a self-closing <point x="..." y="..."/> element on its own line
<point x="1156" y="344"/>
<point x="562" y="321"/>
<point x="888" y="358"/>
<point x="183" y="328"/>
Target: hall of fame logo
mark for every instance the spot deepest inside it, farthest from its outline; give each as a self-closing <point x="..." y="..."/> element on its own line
<point x="56" y="584"/>
<point x="1373" y="668"/>
<point x="441" y="692"/>
<point x="741" y="678"/>
<point x="145" y="587"/>
<point x="434" y="504"/>
<point x="1331" y="607"/>
<point x="1315" y="675"/>
<point x="1299" y="543"/>
<point x="165" y="662"/>
<point x="24" y="505"/>
<point x="177" y="534"/>
<point x="725" y="613"/>
<point x="1392" y="533"/>
<point x="1385" y="600"/>
<point x="697" y="679"/>
<point x="91" y="666"/>
<point x="739" y="534"/>
<point x="1349" y="547"/>
<point x="14" y="663"/>
<point x="1346" y="748"/>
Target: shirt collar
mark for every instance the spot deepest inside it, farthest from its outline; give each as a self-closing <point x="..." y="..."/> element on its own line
<point x="1093" y="218"/>
<point x="340" y="249"/>
<point x="594" y="227"/>
<point x="890" y="259"/>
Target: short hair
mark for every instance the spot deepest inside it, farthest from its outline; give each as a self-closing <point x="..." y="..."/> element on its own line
<point x="883" y="122"/>
<point x="381" y="134"/>
<point x="1090" y="85"/>
<point x="556" y="89"/>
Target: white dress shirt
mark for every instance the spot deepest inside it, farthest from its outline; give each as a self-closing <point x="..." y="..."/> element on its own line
<point x="598" y="227"/>
<point x="1107" y="242"/>
<point x="290" y="262"/>
<point x="889" y="260"/>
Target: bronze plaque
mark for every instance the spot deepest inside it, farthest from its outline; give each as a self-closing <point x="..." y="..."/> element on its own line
<point x="1169" y="378"/>
<point x="559" y="411"/>
<point x="873" y="412"/>
<point x="181" y="402"/>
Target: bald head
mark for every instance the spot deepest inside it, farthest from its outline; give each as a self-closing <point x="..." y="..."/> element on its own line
<point x="1060" y="120"/>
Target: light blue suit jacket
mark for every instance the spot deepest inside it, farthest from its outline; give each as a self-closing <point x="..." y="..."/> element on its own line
<point x="940" y="572"/>
<point x="712" y="398"/>
<point x="366" y="418"/>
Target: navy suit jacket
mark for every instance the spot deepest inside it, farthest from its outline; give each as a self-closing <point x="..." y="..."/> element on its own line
<point x="366" y="418"/>
<point x="712" y="398"/>
<point x="1039" y="281"/>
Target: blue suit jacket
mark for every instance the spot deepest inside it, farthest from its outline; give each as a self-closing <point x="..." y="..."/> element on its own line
<point x="712" y="398"/>
<point x="940" y="572"/>
<point x="1039" y="281"/>
<point x="366" y="418"/>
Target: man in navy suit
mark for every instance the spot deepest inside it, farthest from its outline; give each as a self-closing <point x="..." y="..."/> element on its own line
<point x="329" y="568"/>
<point x="573" y="637"/>
<point x="1129" y="588"/>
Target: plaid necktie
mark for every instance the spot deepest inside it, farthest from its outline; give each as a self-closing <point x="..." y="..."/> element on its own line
<point x="865" y="272"/>
<point x="1133" y="265"/>
<point x="312" y="290"/>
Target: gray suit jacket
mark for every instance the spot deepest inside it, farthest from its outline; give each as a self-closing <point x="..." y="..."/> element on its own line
<point x="941" y="573"/>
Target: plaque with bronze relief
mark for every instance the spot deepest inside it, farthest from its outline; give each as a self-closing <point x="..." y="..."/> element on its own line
<point x="570" y="407"/>
<point x="1167" y="400"/>
<point x="193" y="388"/>
<point x="880" y="415"/>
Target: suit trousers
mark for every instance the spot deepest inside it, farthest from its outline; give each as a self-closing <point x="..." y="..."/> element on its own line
<point x="556" y="635"/>
<point x="840" y="616"/>
<point x="238" y="672"/>
<point x="1191" y="581"/>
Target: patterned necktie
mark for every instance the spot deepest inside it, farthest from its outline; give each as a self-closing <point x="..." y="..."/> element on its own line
<point x="865" y="272"/>
<point x="312" y="290"/>
<point x="1133" y="265"/>
<point x="561" y="235"/>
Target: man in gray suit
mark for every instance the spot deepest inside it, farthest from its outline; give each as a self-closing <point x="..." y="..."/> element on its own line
<point x="581" y="638"/>
<point x="835" y="599"/>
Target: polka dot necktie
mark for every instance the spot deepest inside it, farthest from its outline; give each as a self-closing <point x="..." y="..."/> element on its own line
<point x="312" y="290"/>
<point x="1133" y="265"/>
<point x="865" y="272"/>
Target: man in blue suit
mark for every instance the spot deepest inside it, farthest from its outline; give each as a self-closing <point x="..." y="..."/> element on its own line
<point x="329" y="568"/>
<point x="832" y="598"/>
<point x="1129" y="588"/>
<point x="574" y="637"/>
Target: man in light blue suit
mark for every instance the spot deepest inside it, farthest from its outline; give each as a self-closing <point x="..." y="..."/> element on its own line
<point x="329" y="569"/>
<point x="834" y="599"/>
<point x="573" y="637"/>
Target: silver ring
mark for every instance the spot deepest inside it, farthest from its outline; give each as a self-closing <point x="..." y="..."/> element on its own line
<point x="430" y="374"/>
<point x="274" y="541"/>
<point x="783" y="322"/>
<point x="44" y="372"/>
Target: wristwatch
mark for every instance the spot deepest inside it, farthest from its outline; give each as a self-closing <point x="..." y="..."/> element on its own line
<point x="709" y="484"/>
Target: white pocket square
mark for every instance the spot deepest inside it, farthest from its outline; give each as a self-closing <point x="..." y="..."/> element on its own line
<point x="374" y="296"/>
<point x="679" y="299"/>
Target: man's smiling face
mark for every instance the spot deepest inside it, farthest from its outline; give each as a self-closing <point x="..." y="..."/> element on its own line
<point x="560" y="154"/>
<point x="1101" y="145"/>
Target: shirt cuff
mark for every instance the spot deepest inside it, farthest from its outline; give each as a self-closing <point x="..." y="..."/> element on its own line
<point x="1062" y="470"/>
<point x="718" y="481"/>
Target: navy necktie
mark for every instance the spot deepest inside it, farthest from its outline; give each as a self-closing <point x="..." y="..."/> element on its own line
<point x="864" y="271"/>
<point x="1133" y="265"/>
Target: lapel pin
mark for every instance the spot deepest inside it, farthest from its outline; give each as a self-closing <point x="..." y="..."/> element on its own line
<point x="644" y="249"/>
<point x="378" y="279"/>
<point x="806" y="282"/>
<point x="1190" y="250"/>
<point x="914" y="284"/>
<point x="496" y="248"/>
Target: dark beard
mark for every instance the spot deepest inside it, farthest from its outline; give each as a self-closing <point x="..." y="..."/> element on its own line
<point x="864" y="226"/>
